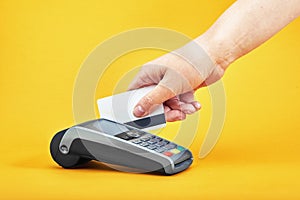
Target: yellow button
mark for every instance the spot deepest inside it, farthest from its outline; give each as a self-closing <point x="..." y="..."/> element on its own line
<point x="174" y="151"/>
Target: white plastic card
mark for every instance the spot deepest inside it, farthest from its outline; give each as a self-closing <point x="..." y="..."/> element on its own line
<point x="120" y="107"/>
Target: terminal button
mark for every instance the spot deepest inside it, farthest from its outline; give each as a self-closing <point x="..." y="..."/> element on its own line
<point x="136" y="141"/>
<point x="180" y="148"/>
<point x="169" y="154"/>
<point x="159" y="150"/>
<point x="152" y="147"/>
<point x="152" y="141"/>
<point x="175" y="151"/>
<point x="144" y="144"/>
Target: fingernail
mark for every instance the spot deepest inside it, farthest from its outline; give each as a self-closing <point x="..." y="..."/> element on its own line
<point x="197" y="105"/>
<point x="138" y="111"/>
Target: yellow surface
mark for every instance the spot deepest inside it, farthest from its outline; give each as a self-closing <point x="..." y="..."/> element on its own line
<point x="43" y="44"/>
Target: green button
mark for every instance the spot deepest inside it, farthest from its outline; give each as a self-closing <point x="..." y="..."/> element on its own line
<point x="180" y="148"/>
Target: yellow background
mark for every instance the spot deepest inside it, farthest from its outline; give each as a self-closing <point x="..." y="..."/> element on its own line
<point x="43" y="44"/>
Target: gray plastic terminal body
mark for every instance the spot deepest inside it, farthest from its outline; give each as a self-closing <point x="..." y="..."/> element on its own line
<point x="101" y="141"/>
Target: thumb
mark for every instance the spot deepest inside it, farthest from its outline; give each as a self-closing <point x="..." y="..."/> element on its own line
<point x="157" y="96"/>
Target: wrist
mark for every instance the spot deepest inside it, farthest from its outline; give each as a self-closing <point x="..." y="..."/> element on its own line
<point x="197" y="60"/>
<point x="217" y="50"/>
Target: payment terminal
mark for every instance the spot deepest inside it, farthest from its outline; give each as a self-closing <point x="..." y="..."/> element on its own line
<point x="118" y="144"/>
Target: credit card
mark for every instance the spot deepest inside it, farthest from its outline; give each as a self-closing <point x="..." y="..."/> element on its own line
<point x="120" y="107"/>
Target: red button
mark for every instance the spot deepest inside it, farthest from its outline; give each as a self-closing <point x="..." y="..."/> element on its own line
<point x="168" y="154"/>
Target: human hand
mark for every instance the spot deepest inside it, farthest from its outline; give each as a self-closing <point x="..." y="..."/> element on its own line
<point x="176" y="79"/>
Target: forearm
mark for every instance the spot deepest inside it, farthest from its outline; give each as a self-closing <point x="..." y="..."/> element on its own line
<point x="245" y="26"/>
